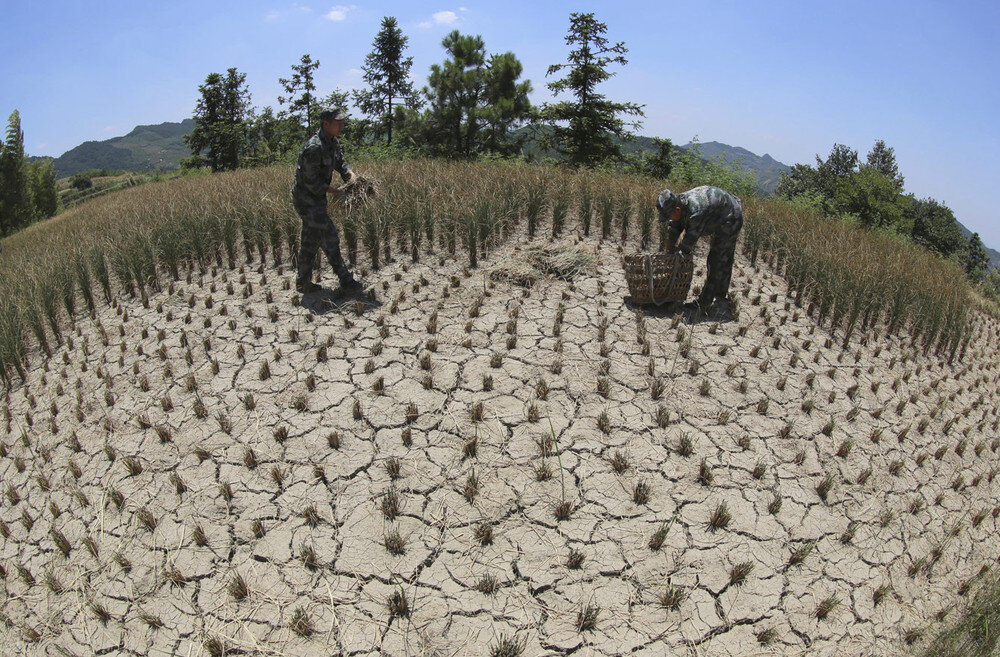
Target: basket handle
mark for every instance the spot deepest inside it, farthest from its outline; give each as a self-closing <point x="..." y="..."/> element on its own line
<point x="647" y="264"/>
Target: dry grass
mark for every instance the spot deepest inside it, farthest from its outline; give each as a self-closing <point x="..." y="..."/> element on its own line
<point x="142" y="238"/>
<point x="852" y="279"/>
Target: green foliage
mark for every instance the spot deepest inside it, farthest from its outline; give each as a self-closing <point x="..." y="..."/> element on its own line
<point x="584" y="129"/>
<point x="387" y="74"/>
<point x="301" y="99"/>
<point x="991" y="286"/>
<point x="660" y="163"/>
<point x="44" y="193"/>
<point x="221" y="118"/>
<point x="934" y="226"/>
<point x="870" y="193"/>
<point x="80" y="181"/>
<point x="976" y="261"/>
<point x="874" y="198"/>
<point x="272" y="139"/>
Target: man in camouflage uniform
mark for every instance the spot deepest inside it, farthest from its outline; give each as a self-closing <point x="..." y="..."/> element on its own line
<point x="320" y="157"/>
<point x="700" y="211"/>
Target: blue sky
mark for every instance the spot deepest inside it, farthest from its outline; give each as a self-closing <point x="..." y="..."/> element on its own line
<point x="785" y="78"/>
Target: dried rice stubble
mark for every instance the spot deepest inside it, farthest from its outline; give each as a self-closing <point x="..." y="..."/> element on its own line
<point x="524" y="267"/>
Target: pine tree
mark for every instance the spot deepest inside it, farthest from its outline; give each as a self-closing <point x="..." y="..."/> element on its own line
<point x="301" y="100"/>
<point x="474" y="102"/>
<point x="506" y="104"/>
<point x="454" y="90"/>
<point x="585" y="129"/>
<point x="387" y="74"/>
<point x="221" y="120"/>
<point x="15" y="194"/>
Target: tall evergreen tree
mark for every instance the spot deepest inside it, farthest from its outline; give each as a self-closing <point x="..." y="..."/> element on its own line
<point x="44" y="193"/>
<point x="221" y="120"/>
<point x="15" y="194"/>
<point x="883" y="159"/>
<point x="387" y="74"/>
<point x="585" y="129"/>
<point x="301" y="99"/>
<point x="236" y="116"/>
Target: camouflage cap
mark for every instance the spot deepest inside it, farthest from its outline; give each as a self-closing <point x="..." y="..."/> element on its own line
<point x="333" y="114"/>
<point x="666" y="202"/>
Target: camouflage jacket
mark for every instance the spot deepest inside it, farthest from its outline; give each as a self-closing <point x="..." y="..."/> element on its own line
<point x="320" y="157"/>
<point x="705" y="209"/>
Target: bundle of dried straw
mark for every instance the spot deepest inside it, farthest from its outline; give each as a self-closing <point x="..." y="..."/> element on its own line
<point x="357" y="193"/>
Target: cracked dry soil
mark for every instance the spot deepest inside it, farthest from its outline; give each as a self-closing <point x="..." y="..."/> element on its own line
<point x="466" y="467"/>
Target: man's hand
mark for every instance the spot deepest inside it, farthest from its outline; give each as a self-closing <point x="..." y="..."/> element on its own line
<point x="351" y="176"/>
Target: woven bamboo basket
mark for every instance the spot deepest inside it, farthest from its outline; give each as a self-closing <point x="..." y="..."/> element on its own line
<point x="658" y="277"/>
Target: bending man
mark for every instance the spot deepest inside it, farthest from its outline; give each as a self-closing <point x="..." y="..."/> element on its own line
<point x="320" y="157"/>
<point x="704" y="211"/>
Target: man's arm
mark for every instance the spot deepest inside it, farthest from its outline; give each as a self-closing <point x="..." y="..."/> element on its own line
<point x="342" y="167"/>
<point x="674" y="230"/>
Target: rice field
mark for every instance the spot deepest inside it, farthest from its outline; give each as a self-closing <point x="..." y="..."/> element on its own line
<point x="492" y="453"/>
<point x="135" y="240"/>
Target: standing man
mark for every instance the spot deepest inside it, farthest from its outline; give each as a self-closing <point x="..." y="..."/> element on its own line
<point x="696" y="212"/>
<point x="320" y="157"/>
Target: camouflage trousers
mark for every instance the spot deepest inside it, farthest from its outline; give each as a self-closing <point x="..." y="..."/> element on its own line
<point x="318" y="232"/>
<point x="721" y="255"/>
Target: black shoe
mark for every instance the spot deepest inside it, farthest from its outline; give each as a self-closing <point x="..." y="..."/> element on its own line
<point x="307" y="288"/>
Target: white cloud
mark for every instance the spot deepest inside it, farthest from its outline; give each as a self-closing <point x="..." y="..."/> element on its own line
<point x="281" y="14"/>
<point x="445" y="17"/>
<point x="338" y="13"/>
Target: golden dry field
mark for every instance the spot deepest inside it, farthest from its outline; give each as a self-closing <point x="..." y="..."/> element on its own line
<point x="493" y="452"/>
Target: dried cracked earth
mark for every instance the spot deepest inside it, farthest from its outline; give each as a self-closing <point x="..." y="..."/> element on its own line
<point x="474" y="468"/>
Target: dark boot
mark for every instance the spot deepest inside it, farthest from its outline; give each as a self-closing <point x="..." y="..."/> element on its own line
<point x="348" y="282"/>
<point x="307" y="287"/>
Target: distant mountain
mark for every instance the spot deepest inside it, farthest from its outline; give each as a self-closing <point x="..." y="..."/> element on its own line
<point x="146" y="148"/>
<point x="766" y="169"/>
<point x="992" y="254"/>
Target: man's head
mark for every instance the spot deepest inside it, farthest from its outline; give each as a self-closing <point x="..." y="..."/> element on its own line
<point x="669" y="206"/>
<point x="333" y="121"/>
